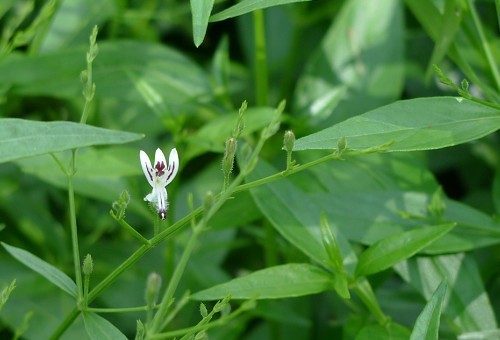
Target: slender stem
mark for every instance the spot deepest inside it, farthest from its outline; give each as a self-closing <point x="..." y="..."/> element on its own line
<point x="74" y="229"/>
<point x="199" y="327"/>
<point x="156" y="225"/>
<point x="486" y="48"/>
<point x="121" y="310"/>
<point x="166" y="302"/>
<point x="261" y="85"/>
<point x="129" y="228"/>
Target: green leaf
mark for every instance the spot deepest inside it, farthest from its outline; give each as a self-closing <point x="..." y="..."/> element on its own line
<point x="99" y="328"/>
<point x="73" y="21"/>
<point x="247" y="6"/>
<point x="289" y="280"/>
<point x="24" y="138"/>
<point x="43" y="268"/>
<point x="415" y="124"/>
<point x="392" y="331"/>
<point x="468" y="307"/>
<point x="391" y="250"/>
<point x="358" y="66"/>
<point x="56" y="74"/>
<point x="427" y="324"/>
<point x="200" y="10"/>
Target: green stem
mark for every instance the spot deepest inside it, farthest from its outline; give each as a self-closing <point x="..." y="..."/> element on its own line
<point x="261" y="85"/>
<point x="74" y="228"/>
<point x="121" y="310"/>
<point x="129" y="228"/>
<point x="166" y="302"/>
<point x="486" y="48"/>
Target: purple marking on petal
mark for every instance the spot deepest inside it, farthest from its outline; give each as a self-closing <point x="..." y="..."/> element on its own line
<point x="149" y="171"/>
<point x="160" y="167"/>
<point x="171" y="171"/>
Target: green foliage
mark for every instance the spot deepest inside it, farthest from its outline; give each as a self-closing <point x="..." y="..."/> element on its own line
<point x="379" y="220"/>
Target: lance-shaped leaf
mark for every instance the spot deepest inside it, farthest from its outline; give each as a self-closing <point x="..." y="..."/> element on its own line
<point x="21" y="138"/>
<point x="43" y="268"/>
<point x="410" y="125"/>
<point x="391" y="250"/>
<point x="99" y="328"/>
<point x="247" y="6"/>
<point x="289" y="280"/>
<point x="427" y="325"/>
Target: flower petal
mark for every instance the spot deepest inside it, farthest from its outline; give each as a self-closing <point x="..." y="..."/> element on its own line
<point x="146" y="167"/>
<point x="173" y="166"/>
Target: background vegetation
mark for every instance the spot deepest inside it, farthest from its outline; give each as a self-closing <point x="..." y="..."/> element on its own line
<point x="383" y="222"/>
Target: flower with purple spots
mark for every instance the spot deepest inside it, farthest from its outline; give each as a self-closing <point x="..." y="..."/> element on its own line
<point x="159" y="176"/>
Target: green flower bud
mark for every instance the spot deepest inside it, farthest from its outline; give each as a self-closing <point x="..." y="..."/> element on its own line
<point x="153" y="286"/>
<point x="88" y="265"/>
<point x="288" y="141"/>
<point x="228" y="160"/>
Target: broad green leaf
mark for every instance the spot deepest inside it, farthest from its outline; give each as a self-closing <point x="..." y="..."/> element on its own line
<point x="24" y="138"/>
<point x="481" y="335"/>
<point x="289" y="280"/>
<point x="415" y="124"/>
<point x="363" y="216"/>
<point x="247" y="6"/>
<point x="175" y="77"/>
<point x="427" y="324"/>
<point x="468" y="306"/>
<point x="389" y="251"/>
<point x="99" y="328"/>
<point x="200" y="10"/>
<point x="358" y="66"/>
<point x="43" y="268"/>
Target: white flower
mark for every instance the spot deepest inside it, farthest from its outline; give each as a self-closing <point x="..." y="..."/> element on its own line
<point x="159" y="177"/>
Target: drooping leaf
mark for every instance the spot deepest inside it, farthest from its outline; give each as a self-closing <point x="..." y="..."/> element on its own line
<point x="410" y="125"/>
<point x="43" y="268"/>
<point x="247" y="6"/>
<point x="289" y="280"/>
<point x="99" y="328"/>
<point x="200" y="10"/>
<point x="427" y="324"/>
<point x="21" y="138"/>
<point x="391" y="250"/>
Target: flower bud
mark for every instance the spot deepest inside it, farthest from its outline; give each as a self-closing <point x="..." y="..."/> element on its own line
<point x="88" y="265"/>
<point x="209" y="200"/>
<point x="288" y="141"/>
<point x="228" y="160"/>
<point x="153" y="286"/>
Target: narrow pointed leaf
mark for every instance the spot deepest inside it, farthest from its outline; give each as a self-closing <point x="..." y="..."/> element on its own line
<point x="43" y="268"/>
<point x="21" y="138"/>
<point x="247" y="6"/>
<point x="391" y="250"/>
<point x="289" y="280"/>
<point x="410" y="125"/>
<point x="427" y="324"/>
<point x="200" y="10"/>
<point x="99" y="328"/>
